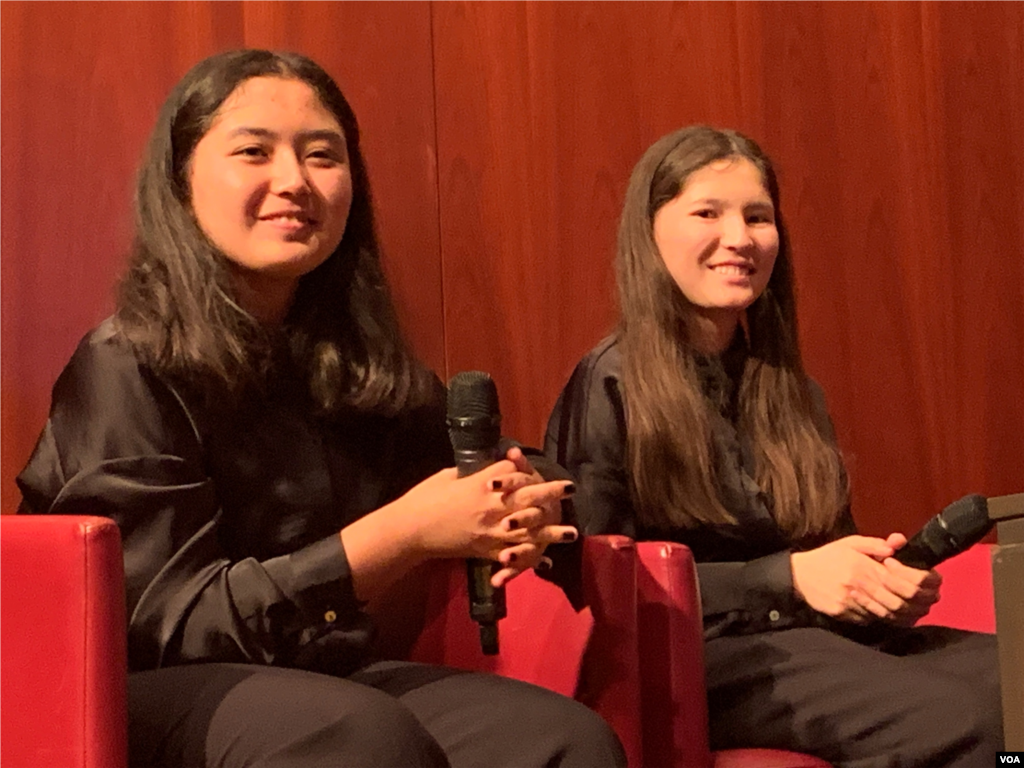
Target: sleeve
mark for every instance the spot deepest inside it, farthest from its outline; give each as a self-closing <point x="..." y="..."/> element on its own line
<point x="120" y="443"/>
<point x="587" y="434"/>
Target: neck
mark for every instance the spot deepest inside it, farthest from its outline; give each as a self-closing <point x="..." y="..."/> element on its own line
<point x="711" y="330"/>
<point x="266" y="298"/>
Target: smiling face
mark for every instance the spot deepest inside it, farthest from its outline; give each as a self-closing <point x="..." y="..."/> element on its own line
<point x="270" y="186"/>
<point x="718" y="238"/>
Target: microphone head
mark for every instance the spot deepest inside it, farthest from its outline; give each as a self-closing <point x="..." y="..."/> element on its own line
<point x="474" y="420"/>
<point x="966" y="520"/>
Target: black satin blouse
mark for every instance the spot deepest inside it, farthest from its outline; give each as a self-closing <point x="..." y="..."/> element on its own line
<point x="229" y="517"/>
<point x="744" y="571"/>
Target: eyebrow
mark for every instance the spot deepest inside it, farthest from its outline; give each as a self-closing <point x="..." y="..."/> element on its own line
<point x="715" y="201"/>
<point x="327" y="134"/>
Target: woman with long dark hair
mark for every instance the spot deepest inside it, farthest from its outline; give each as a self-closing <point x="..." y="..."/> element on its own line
<point x="696" y="422"/>
<point x="275" y="458"/>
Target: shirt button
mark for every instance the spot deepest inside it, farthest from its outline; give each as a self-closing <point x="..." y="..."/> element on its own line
<point x="774" y="615"/>
<point x="330" y="617"/>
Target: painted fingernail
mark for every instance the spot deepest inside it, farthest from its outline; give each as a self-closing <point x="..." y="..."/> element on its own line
<point x="569" y="488"/>
<point x="512" y="557"/>
<point x="544" y="564"/>
<point x="513" y="524"/>
<point x="569" y="536"/>
<point x="495" y="485"/>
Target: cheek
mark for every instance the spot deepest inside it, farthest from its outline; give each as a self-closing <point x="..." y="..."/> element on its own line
<point x="223" y="196"/>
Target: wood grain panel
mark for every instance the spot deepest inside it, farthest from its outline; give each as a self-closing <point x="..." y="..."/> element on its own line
<point x="82" y="83"/>
<point x="897" y="129"/>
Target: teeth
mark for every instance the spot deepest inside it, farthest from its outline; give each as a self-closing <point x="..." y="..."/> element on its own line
<point x="732" y="269"/>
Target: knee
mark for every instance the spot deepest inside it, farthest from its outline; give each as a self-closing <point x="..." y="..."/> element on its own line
<point x="958" y="717"/>
<point x="380" y="731"/>
<point x="587" y="739"/>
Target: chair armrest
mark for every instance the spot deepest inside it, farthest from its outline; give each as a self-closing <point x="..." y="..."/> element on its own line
<point x="64" y="659"/>
<point x="590" y="654"/>
<point x="671" y="652"/>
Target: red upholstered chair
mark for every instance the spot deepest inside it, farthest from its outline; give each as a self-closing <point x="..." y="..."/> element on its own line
<point x="671" y="645"/>
<point x="966" y="598"/>
<point x="62" y="639"/>
<point x="62" y="643"/>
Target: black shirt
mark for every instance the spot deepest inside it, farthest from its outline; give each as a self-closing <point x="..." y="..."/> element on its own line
<point x="230" y="517"/>
<point x="744" y="570"/>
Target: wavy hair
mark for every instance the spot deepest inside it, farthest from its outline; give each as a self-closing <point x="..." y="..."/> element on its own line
<point x="670" y="447"/>
<point x="176" y="303"/>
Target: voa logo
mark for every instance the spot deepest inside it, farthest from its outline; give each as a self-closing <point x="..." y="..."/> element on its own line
<point x="1010" y="759"/>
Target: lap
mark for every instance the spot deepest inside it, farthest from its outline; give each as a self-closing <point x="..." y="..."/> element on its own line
<point x="935" y="698"/>
<point x="391" y="713"/>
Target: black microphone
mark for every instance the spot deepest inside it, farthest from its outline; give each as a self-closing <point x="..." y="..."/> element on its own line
<point x="958" y="527"/>
<point x="474" y="425"/>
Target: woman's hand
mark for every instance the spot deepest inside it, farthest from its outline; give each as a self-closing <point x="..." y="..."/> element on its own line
<point x="919" y="589"/>
<point x="535" y="518"/>
<point x="504" y="512"/>
<point x="856" y="579"/>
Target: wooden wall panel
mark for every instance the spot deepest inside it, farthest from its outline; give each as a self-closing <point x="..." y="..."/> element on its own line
<point x="898" y="129"/>
<point x="82" y="83"/>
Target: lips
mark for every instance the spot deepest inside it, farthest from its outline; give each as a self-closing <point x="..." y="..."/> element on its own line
<point x="733" y="269"/>
<point x="291" y="216"/>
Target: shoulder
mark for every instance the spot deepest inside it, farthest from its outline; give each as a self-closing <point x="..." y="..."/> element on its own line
<point x="600" y="368"/>
<point x="590" y="406"/>
<point x="106" y="399"/>
<point x="605" y="359"/>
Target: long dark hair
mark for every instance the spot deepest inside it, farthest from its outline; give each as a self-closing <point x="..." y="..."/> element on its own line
<point x="176" y="304"/>
<point x="669" y="441"/>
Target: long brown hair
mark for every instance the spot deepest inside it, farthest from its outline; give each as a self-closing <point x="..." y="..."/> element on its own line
<point x="670" y="446"/>
<point x="176" y="304"/>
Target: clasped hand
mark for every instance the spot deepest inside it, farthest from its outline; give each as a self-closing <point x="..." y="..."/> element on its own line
<point x="505" y="512"/>
<point x="856" y="579"/>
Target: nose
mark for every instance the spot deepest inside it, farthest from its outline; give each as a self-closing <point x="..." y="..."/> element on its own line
<point x="736" y="232"/>
<point x="289" y="175"/>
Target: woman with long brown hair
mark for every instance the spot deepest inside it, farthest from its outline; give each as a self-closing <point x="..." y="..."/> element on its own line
<point x="696" y="422"/>
<point x="275" y="458"/>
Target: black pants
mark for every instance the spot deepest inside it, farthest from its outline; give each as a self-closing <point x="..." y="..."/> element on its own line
<point x="926" y="697"/>
<point x="390" y="714"/>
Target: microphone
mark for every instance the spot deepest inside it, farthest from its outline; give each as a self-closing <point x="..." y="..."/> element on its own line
<point x="956" y="528"/>
<point x="474" y="426"/>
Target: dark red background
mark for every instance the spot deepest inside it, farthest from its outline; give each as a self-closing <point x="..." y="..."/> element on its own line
<point x="500" y="137"/>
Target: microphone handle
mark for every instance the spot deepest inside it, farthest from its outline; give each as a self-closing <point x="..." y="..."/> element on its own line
<point x="486" y="603"/>
<point x="928" y="547"/>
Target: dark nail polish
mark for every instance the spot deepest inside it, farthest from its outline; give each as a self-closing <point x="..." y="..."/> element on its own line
<point x="568" y="536"/>
<point x="569" y="489"/>
<point x="495" y="485"/>
<point x="543" y="565"/>
<point x="513" y="524"/>
<point x="512" y="557"/>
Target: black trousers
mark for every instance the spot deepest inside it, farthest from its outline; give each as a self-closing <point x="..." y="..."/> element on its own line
<point x="927" y="697"/>
<point x="390" y="714"/>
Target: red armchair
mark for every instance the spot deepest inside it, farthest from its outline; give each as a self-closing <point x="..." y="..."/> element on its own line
<point x="62" y="652"/>
<point x="673" y="701"/>
<point x="64" y="657"/>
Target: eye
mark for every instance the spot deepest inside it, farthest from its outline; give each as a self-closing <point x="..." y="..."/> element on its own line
<point x="706" y="213"/>
<point x="761" y="218"/>
<point x="251" y="152"/>
<point x="324" y="157"/>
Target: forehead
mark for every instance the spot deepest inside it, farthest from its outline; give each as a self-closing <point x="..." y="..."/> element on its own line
<point x="731" y="176"/>
<point x="270" y="102"/>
